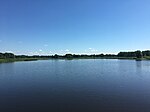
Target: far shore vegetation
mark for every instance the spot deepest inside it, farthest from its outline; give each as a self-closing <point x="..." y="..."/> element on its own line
<point x="136" y="55"/>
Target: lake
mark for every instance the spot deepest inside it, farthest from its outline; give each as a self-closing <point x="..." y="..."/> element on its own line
<point x="85" y="85"/>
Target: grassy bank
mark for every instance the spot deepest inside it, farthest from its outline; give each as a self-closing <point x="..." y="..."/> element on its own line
<point x="147" y="57"/>
<point x="35" y="59"/>
<point x="18" y="59"/>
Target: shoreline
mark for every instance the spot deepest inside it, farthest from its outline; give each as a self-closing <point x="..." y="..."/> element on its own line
<point x="36" y="59"/>
<point x="18" y="60"/>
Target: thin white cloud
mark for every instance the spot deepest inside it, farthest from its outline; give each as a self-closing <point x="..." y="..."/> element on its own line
<point x="9" y="51"/>
<point x="91" y="51"/>
<point x="45" y="45"/>
<point x="67" y="50"/>
<point x="94" y="50"/>
<point x="30" y="53"/>
<point x="40" y="50"/>
<point x="61" y="51"/>
<point x="36" y="53"/>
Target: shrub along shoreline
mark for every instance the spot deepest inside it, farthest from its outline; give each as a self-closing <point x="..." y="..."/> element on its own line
<point x="135" y="55"/>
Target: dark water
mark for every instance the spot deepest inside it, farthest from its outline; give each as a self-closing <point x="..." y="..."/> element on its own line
<point x="75" y="86"/>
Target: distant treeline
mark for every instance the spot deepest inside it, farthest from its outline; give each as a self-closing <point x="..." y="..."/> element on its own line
<point x="6" y="55"/>
<point x="135" y="54"/>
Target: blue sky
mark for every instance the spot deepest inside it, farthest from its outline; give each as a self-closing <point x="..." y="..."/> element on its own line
<point x="74" y="26"/>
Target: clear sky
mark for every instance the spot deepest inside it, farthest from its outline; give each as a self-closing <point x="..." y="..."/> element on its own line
<point x="74" y="26"/>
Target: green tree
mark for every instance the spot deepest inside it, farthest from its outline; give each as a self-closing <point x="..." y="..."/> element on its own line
<point x="139" y="54"/>
<point x="68" y="56"/>
<point x="9" y="55"/>
<point x="56" y="56"/>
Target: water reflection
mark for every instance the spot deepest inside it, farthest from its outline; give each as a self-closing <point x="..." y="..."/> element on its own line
<point x="139" y="64"/>
<point x="75" y="86"/>
<point x="4" y="68"/>
<point x="139" y="68"/>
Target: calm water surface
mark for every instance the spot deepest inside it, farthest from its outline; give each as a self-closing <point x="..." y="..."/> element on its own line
<point x="75" y="86"/>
